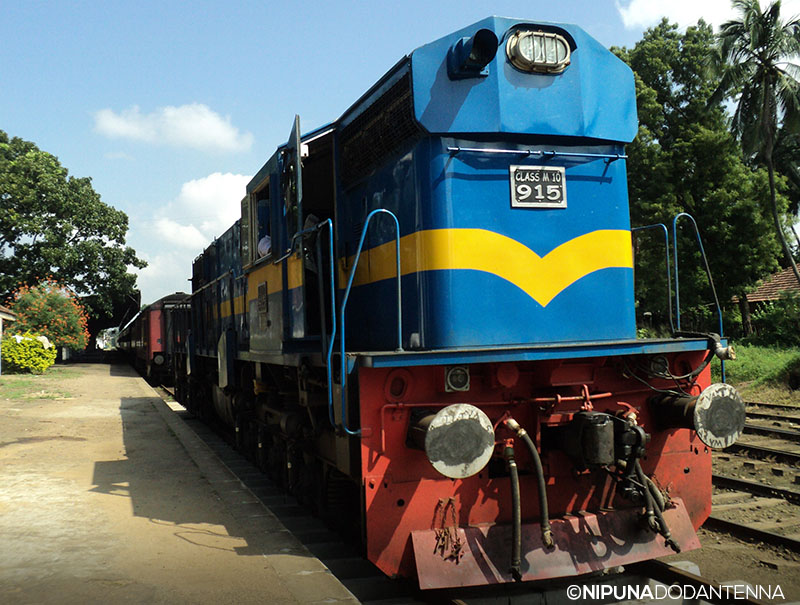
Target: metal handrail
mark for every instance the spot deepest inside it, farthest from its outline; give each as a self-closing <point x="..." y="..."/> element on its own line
<point x="295" y="237"/>
<point x="610" y="157"/>
<point x="666" y="261"/>
<point x="319" y="227"/>
<point x="705" y="264"/>
<point x="342" y="308"/>
<point x="708" y="274"/>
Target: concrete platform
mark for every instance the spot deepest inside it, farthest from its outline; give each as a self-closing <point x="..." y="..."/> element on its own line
<point x="99" y="502"/>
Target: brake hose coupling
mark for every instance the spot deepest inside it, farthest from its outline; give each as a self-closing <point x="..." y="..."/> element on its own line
<point x="514" y="426"/>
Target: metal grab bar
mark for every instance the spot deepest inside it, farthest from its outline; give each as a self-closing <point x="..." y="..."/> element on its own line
<point x="319" y="227"/>
<point x="342" y="308"/>
<point x="666" y="261"/>
<point x="705" y="264"/>
<point x="295" y="237"/>
<point x="610" y="157"/>
<point x="708" y="274"/>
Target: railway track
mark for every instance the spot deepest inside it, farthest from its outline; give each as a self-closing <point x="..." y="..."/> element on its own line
<point x="370" y="586"/>
<point x="757" y="480"/>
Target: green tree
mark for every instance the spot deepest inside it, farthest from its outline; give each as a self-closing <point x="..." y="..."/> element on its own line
<point x="684" y="159"/>
<point x="53" y="224"/>
<point x="756" y="53"/>
<point x="51" y="310"/>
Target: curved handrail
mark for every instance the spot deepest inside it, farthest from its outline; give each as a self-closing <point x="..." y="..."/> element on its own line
<point x="708" y="274"/>
<point x="666" y="260"/>
<point x="343" y="306"/>
<point x="705" y="264"/>
<point x="295" y="237"/>
<point x="318" y="227"/>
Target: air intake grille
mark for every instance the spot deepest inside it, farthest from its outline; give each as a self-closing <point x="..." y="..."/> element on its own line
<point x="378" y="132"/>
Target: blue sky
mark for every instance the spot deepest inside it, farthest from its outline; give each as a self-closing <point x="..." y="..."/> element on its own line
<point x="170" y="107"/>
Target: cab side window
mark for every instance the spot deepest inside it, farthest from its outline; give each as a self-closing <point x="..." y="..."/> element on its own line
<point x="264" y="234"/>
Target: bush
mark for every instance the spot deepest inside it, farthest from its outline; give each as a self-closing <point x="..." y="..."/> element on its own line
<point x="28" y="352"/>
<point x="53" y="310"/>
<point x="778" y="323"/>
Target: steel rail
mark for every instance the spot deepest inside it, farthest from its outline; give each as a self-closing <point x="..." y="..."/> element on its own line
<point x="788" y="434"/>
<point x="745" y="531"/>
<point x="753" y="487"/>
<point x="760" y="452"/>
<point x="771" y="416"/>
<point x="774" y="406"/>
<point x="669" y="574"/>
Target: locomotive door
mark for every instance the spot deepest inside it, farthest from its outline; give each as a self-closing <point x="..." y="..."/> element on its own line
<point x="308" y="200"/>
<point x="292" y="193"/>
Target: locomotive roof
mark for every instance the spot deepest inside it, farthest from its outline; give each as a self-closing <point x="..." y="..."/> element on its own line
<point x="508" y="100"/>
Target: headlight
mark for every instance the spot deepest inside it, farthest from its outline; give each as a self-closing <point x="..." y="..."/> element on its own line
<point x="538" y="51"/>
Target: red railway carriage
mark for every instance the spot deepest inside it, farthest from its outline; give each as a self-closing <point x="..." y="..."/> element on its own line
<point x="149" y="338"/>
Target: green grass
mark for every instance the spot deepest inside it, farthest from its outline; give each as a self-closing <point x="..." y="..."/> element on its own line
<point x="43" y="386"/>
<point x="764" y="373"/>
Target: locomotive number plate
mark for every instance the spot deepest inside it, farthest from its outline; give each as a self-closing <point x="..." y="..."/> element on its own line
<point x="538" y="187"/>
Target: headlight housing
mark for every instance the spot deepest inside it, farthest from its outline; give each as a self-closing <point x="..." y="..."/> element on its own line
<point x="538" y="51"/>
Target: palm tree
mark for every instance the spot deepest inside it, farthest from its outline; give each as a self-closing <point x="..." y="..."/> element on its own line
<point x="760" y="52"/>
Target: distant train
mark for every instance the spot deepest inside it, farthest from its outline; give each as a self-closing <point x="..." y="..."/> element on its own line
<point x="150" y="338"/>
<point x="423" y="323"/>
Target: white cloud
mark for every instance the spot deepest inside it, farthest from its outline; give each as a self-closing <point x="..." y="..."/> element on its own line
<point x="182" y="236"/>
<point x="165" y="273"/>
<point x="212" y="203"/>
<point x="204" y="209"/>
<point x="645" y="13"/>
<point x="194" y="125"/>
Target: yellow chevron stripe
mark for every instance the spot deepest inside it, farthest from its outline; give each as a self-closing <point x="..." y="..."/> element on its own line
<point x="542" y="278"/>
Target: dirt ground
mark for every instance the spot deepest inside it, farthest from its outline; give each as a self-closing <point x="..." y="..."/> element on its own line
<point x="99" y="503"/>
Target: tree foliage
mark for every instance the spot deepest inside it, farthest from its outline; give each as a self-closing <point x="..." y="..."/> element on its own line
<point x="53" y="311"/>
<point x="53" y="224"/>
<point x="684" y="159"/>
<point x="757" y="54"/>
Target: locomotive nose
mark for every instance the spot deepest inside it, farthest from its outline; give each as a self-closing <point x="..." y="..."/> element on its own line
<point x="458" y="440"/>
<point x="717" y="414"/>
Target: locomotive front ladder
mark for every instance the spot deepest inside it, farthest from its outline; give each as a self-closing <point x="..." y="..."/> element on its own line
<point x="343" y="308"/>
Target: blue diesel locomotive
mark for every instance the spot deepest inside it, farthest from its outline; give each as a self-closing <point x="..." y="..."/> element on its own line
<point x="424" y="322"/>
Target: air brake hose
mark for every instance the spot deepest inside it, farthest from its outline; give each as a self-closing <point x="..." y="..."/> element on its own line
<point x="658" y="497"/>
<point x="648" y="499"/>
<point x="670" y="541"/>
<point x="516" y="518"/>
<point x="547" y="532"/>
